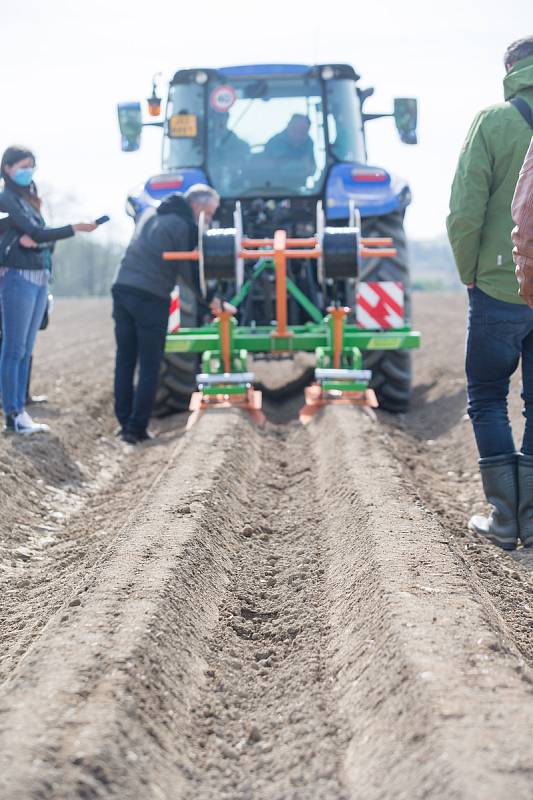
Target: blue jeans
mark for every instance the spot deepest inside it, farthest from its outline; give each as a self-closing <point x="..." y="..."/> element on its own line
<point x="23" y="307"/>
<point x="499" y="335"/>
<point x="141" y="322"/>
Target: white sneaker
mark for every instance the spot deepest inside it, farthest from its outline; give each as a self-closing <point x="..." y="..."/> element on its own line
<point x="24" y="418"/>
<point x="24" y="424"/>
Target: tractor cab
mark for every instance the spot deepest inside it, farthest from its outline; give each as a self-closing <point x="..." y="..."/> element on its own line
<point x="262" y="135"/>
<point x="269" y="134"/>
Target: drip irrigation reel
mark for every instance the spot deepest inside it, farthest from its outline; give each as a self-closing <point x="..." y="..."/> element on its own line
<point x="336" y="342"/>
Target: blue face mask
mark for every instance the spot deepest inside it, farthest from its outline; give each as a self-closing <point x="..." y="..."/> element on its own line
<point x="24" y="176"/>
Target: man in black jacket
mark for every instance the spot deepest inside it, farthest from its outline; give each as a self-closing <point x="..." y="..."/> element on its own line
<point x="141" y="294"/>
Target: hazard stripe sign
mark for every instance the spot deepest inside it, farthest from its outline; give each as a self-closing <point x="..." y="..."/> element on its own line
<point x="174" y="311"/>
<point x="380" y="305"/>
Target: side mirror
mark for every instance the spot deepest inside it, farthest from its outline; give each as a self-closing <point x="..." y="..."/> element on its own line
<point x="405" y="117"/>
<point x="130" y="123"/>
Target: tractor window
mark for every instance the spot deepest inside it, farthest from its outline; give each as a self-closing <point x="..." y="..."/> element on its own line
<point x="345" y="124"/>
<point x="265" y="136"/>
<point x="183" y="142"/>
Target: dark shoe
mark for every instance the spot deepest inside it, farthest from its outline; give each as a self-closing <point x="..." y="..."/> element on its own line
<point x="499" y="476"/>
<point x="34" y="399"/>
<point x="525" y="499"/>
<point x="129" y="438"/>
<point x="146" y="436"/>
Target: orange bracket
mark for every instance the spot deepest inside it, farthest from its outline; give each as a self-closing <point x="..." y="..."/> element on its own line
<point x="338" y="316"/>
<point x="224" y="320"/>
<point x="280" y="264"/>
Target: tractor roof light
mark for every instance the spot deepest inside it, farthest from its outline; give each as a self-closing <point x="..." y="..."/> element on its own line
<point x="154" y="101"/>
<point x="327" y="73"/>
<point x="201" y="77"/>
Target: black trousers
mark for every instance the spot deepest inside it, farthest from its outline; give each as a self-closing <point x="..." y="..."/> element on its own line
<point x="141" y="323"/>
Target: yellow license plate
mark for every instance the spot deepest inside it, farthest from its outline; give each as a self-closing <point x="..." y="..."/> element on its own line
<point x="183" y="126"/>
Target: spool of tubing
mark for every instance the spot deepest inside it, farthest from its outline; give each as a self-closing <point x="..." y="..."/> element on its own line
<point x="340" y="247"/>
<point x="218" y="246"/>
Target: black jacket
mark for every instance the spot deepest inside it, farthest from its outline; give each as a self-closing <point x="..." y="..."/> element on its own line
<point x="23" y="218"/>
<point x="171" y="227"/>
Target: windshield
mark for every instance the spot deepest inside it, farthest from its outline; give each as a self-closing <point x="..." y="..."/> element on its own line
<point x="265" y="137"/>
<point x="260" y="137"/>
<point x="345" y="123"/>
<point x="183" y="144"/>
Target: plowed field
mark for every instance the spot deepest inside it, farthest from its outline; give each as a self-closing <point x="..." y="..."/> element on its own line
<point x="284" y="613"/>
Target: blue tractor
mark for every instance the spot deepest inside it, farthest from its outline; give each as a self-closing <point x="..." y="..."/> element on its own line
<point x="285" y="147"/>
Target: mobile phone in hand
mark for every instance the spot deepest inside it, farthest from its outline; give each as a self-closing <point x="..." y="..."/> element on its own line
<point x="101" y="220"/>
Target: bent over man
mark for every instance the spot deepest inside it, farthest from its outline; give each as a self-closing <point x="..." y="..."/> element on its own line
<point x="141" y="295"/>
<point x="500" y="324"/>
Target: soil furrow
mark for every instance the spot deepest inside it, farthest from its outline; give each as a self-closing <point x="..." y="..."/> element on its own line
<point x="268" y="726"/>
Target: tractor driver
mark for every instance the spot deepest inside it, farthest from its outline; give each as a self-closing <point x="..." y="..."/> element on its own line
<point x="292" y="149"/>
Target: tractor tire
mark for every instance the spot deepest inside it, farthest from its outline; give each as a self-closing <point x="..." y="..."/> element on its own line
<point x="391" y="369"/>
<point x="177" y="379"/>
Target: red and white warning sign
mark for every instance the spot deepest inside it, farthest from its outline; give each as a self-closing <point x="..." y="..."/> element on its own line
<point x="174" y="311"/>
<point x="380" y="305"/>
<point x="222" y="97"/>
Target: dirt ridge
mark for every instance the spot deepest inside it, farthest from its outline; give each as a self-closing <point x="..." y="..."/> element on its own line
<point x="89" y="710"/>
<point x="430" y="628"/>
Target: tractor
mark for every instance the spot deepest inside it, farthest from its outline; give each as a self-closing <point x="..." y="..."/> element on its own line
<point x="305" y="228"/>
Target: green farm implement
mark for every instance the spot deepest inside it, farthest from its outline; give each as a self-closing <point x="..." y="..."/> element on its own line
<point x="337" y="340"/>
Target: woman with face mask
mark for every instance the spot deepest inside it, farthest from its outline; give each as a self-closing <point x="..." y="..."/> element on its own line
<point x="24" y="274"/>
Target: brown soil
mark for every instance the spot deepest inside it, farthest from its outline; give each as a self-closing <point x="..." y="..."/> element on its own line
<point x="242" y="613"/>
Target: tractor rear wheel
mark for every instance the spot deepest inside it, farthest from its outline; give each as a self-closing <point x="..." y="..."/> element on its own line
<point x="391" y="369"/>
<point x="177" y="379"/>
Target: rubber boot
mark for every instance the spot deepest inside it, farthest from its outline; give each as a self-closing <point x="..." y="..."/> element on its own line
<point x="525" y="499"/>
<point x="500" y="484"/>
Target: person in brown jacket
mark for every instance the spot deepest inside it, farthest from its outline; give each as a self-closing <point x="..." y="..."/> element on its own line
<point x="522" y="235"/>
<point x="522" y="211"/>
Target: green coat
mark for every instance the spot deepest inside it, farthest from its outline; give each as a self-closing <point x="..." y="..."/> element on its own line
<point x="480" y="224"/>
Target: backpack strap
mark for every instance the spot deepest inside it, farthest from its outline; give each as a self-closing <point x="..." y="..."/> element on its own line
<point x="524" y="109"/>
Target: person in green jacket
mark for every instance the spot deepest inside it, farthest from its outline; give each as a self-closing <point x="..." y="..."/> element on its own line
<point x="500" y="324"/>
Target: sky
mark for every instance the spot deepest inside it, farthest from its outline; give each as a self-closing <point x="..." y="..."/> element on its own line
<point x="65" y="64"/>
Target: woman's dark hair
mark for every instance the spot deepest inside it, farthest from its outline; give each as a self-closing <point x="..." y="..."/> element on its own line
<point x="10" y="157"/>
